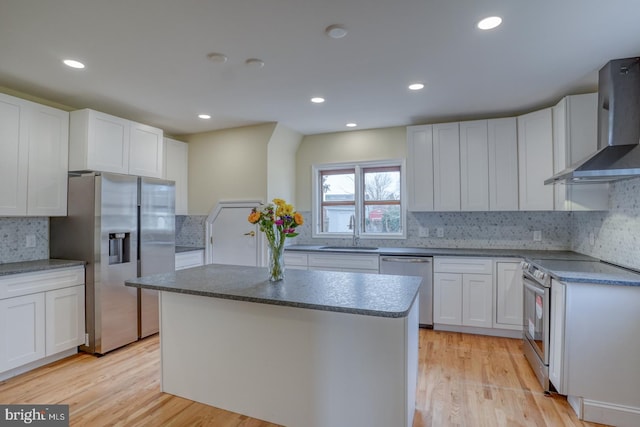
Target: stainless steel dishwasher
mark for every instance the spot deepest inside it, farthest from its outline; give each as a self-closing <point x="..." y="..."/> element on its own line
<point x="405" y="265"/>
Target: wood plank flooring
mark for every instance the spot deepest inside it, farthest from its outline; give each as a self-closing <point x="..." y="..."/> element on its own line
<point x="464" y="380"/>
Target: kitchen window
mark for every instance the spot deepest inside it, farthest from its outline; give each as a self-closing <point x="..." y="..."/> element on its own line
<point x="359" y="200"/>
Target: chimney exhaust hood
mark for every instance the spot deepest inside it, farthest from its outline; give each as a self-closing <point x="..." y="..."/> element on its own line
<point x="618" y="154"/>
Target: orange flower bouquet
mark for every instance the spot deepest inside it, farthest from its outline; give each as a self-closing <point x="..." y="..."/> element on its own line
<point x="277" y="220"/>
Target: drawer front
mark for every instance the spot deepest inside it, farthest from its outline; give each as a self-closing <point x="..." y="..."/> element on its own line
<point x="462" y="265"/>
<point x="189" y="259"/>
<point x="14" y="285"/>
<point x="343" y="262"/>
<point x="295" y="259"/>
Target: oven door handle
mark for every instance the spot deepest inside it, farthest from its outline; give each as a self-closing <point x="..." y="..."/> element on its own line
<point x="533" y="288"/>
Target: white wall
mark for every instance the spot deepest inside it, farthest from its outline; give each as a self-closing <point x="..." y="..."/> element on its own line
<point x="281" y="165"/>
<point x="229" y="164"/>
<point x="350" y="146"/>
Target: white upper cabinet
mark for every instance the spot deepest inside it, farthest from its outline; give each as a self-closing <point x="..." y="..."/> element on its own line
<point x="48" y="159"/>
<point x="446" y="167"/>
<point x="14" y="158"/>
<point x="33" y="158"/>
<point x="146" y="148"/>
<point x="535" y="160"/>
<point x="106" y="143"/>
<point x="503" y="164"/>
<point x="474" y="166"/>
<point x="420" y="168"/>
<point x="575" y="130"/>
<point x="176" y="166"/>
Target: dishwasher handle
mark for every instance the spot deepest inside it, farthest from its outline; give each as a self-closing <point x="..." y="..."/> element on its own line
<point x="406" y="259"/>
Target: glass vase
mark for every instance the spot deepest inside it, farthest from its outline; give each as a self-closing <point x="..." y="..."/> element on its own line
<point x="276" y="263"/>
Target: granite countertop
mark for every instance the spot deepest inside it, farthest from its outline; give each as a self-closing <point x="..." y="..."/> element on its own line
<point x="180" y="249"/>
<point x="354" y="293"/>
<point x="39" y="265"/>
<point x="588" y="272"/>
<point x="494" y="253"/>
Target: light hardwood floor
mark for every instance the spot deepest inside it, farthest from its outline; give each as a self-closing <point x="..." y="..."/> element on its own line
<point x="464" y="380"/>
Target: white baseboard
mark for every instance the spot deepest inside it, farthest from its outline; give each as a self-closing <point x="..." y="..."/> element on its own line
<point x="604" y="412"/>
<point x="36" y="364"/>
<point x="505" y="333"/>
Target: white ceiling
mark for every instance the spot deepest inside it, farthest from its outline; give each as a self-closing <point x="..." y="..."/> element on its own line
<point x="146" y="60"/>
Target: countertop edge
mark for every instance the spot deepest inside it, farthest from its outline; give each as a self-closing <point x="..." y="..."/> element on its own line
<point x="23" y="267"/>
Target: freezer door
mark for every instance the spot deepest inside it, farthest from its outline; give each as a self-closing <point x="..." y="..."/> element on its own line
<point x="157" y="244"/>
<point x="116" y="305"/>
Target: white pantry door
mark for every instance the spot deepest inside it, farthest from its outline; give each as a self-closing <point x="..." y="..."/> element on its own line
<point x="231" y="239"/>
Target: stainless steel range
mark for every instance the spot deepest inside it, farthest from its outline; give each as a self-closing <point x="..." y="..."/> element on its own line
<point x="536" y="311"/>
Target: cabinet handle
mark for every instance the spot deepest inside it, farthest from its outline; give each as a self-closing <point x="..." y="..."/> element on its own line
<point x="423" y="260"/>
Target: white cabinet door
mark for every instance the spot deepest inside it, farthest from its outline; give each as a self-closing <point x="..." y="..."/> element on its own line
<point x="446" y="167"/>
<point x="189" y="259"/>
<point x="145" y="151"/>
<point x="420" y="168"/>
<point x="65" y="319"/>
<point x="556" y="345"/>
<point x="509" y="295"/>
<point x="48" y="159"/>
<point x="296" y="260"/>
<point x="477" y="300"/>
<point x="575" y="137"/>
<point x="22" y="330"/>
<point x="535" y="160"/>
<point x="503" y="164"/>
<point x="447" y="298"/>
<point x="176" y="168"/>
<point x="474" y="166"/>
<point x="13" y="156"/>
<point x="359" y="263"/>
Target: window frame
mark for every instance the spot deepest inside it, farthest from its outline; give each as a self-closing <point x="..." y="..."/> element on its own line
<point x="358" y="167"/>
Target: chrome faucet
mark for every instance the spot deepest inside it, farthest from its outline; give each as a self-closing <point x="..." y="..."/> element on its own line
<point x="355" y="239"/>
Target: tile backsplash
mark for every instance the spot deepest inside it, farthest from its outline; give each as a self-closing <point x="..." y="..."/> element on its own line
<point x="615" y="234"/>
<point x="190" y="230"/>
<point x="504" y="230"/>
<point x="13" y="239"/>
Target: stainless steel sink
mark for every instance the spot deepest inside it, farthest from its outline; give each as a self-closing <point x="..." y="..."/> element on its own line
<point x="351" y="248"/>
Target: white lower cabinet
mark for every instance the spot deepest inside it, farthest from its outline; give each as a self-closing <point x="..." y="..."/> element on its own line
<point x="508" y="275"/>
<point x="556" y="340"/>
<point x="22" y="322"/>
<point x="463" y="292"/>
<point x="296" y="261"/>
<point x="356" y="263"/>
<point x="64" y="310"/>
<point x="189" y="259"/>
<point x="41" y="315"/>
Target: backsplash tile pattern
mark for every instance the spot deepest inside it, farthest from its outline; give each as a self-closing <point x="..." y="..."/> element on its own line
<point x="503" y="230"/>
<point x="190" y="230"/>
<point x="13" y="236"/>
<point x="616" y="232"/>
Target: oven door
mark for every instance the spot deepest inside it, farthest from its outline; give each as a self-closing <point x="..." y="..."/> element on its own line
<point x="536" y="317"/>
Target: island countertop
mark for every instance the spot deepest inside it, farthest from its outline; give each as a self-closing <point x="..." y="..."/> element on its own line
<point x="354" y="293"/>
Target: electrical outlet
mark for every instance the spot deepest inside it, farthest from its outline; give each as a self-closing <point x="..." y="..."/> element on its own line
<point x="423" y="231"/>
<point x="440" y="232"/>
<point x="30" y="241"/>
<point x="537" y="236"/>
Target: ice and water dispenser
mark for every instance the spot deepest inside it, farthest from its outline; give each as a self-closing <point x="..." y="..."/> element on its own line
<point x="119" y="248"/>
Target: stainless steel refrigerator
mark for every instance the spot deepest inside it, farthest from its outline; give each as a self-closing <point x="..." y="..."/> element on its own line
<point x="123" y="227"/>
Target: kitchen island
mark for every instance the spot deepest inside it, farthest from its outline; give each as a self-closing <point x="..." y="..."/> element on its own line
<point x="316" y="349"/>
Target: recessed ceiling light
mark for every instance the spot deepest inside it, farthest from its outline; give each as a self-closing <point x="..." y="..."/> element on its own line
<point x="204" y="116"/>
<point x="317" y="100"/>
<point x="351" y="125"/>
<point x="489" y="23"/>
<point x="335" y="31"/>
<point x="254" y="63"/>
<point x="73" y="63"/>
<point x="416" y="86"/>
<point x="218" y="58"/>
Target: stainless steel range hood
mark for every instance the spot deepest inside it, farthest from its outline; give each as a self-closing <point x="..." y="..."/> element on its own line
<point x="618" y="154"/>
